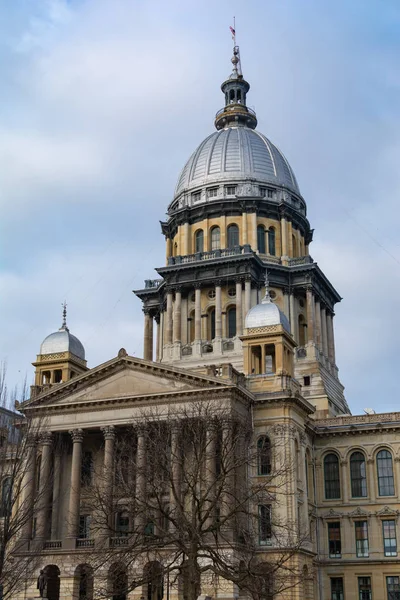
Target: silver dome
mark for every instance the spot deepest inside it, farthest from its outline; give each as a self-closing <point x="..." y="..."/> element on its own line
<point x="62" y="341"/>
<point x="265" y="314"/>
<point x="236" y="153"/>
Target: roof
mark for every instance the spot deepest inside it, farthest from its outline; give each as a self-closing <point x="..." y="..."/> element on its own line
<point x="265" y="314"/>
<point x="236" y="153"/>
<point x="62" y="341"/>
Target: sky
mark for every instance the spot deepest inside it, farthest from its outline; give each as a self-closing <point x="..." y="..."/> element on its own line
<point x="102" y="103"/>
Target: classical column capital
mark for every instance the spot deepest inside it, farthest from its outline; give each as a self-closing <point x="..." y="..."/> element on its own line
<point x="77" y="435"/>
<point x="218" y="283"/>
<point x="197" y="285"/>
<point x="46" y="438"/>
<point x="108" y="432"/>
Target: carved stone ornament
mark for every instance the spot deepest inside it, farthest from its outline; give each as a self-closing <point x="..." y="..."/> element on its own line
<point x="108" y="432"/>
<point x="46" y="438"/>
<point x="358" y="512"/>
<point x="303" y="438"/>
<point x="77" y="435"/>
<point x="122" y="353"/>
<point x="280" y="429"/>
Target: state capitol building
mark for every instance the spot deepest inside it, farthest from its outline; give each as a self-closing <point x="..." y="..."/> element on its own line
<point x="240" y="323"/>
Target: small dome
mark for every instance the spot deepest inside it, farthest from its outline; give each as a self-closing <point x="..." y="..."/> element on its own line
<point x="62" y="341"/>
<point x="265" y="314"/>
<point x="236" y="153"/>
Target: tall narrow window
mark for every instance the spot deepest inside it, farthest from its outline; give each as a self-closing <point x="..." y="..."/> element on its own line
<point x="233" y="236"/>
<point x="122" y="524"/>
<point x="215" y="238"/>
<point x="358" y="475"/>
<point x="231" y="322"/>
<point x="393" y="588"/>
<point x="264" y="524"/>
<point x="331" y="476"/>
<point x="199" y="240"/>
<point x="264" y="455"/>
<point x="271" y="241"/>
<point x="6" y="497"/>
<point x="364" y="588"/>
<point x="84" y="527"/>
<point x="87" y="469"/>
<point x="212" y="323"/>
<point x="334" y="538"/>
<point x="389" y="537"/>
<point x="294" y="246"/>
<point x="384" y="466"/>
<point x="261" y="239"/>
<point x="362" y="549"/>
<point x="337" y="592"/>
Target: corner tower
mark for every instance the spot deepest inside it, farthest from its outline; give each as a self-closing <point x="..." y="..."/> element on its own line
<point x="237" y="209"/>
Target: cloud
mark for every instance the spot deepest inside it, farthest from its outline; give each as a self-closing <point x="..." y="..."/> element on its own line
<point x="102" y="104"/>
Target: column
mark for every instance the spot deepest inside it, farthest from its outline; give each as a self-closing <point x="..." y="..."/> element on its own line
<point x="177" y="324"/>
<point x="244" y="228"/>
<point x="75" y="489"/>
<point x="284" y="237"/>
<point x="318" y="326"/>
<point x="56" y="494"/>
<point x="247" y="295"/>
<point x="286" y="308"/>
<point x="108" y="474"/>
<point x="43" y="499"/>
<point x="344" y="480"/>
<point x="310" y="315"/>
<point x="186" y="239"/>
<point x="158" y="337"/>
<point x="227" y="496"/>
<point x="218" y="311"/>
<point x="371" y="483"/>
<point x="253" y="237"/>
<point x="210" y="473"/>
<point x="331" y="338"/>
<point x="293" y="318"/>
<point x="239" y="312"/>
<point x="140" y="479"/>
<point x="324" y="332"/>
<point x="169" y="318"/>
<point x="148" y="335"/>
<point x="262" y="366"/>
<point x="168" y="243"/>
<point x="28" y="488"/>
<point x="197" y="314"/>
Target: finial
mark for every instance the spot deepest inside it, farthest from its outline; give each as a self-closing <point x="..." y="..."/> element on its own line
<point x="64" y="314"/>
<point x="235" y="60"/>
<point x="267" y="297"/>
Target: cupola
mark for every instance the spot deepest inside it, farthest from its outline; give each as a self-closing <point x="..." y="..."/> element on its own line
<point x="61" y="357"/>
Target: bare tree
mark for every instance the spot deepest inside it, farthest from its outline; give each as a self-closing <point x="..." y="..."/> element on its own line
<point x="180" y="503"/>
<point x="21" y="496"/>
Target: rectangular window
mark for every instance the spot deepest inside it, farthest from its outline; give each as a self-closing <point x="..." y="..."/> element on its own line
<point x="230" y="190"/>
<point x="87" y="469"/>
<point x="84" y="527"/>
<point x="337" y="588"/>
<point x="270" y="193"/>
<point x="122" y="524"/>
<point x="362" y="549"/>
<point x="393" y="588"/>
<point x="389" y="537"/>
<point x="264" y="524"/>
<point x="364" y="588"/>
<point x="335" y="542"/>
<point x="196" y="197"/>
<point x="212" y="192"/>
<point x="263" y="192"/>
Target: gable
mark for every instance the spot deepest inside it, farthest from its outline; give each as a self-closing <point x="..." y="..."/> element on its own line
<point x="125" y="378"/>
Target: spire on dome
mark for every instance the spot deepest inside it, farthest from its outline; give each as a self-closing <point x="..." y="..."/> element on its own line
<point x="267" y="297"/>
<point x="235" y="112"/>
<point x="64" y="315"/>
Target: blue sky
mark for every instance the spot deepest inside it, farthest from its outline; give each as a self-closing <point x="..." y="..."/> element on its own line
<point x="102" y="103"/>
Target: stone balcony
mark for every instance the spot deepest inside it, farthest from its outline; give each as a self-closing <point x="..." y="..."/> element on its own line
<point x="236" y="251"/>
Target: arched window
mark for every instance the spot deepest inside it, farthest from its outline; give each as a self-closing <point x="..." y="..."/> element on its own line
<point x="231" y="322"/>
<point x="294" y="246"/>
<point x="212" y="323"/>
<point x="384" y="465"/>
<point x="215" y="238"/>
<point x="84" y="582"/>
<point x="233" y="236"/>
<point x="261" y="239"/>
<point x="264" y="455"/>
<point x="271" y="241"/>
<point x="302" y="331"/>
<point x="153" y="577"/>
<point x="358" y="475"/>
<point x="118" y="581"/>
<point x="331" y="476"/>
<point x="199" y="241"/>
<point x="6" y="496"/>
<point x="232" y="95"/>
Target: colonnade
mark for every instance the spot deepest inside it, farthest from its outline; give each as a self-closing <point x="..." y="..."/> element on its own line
<point x="320" y="326"/>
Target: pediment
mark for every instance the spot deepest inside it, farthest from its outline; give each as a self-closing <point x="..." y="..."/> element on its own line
<point x="122" y="378"/>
